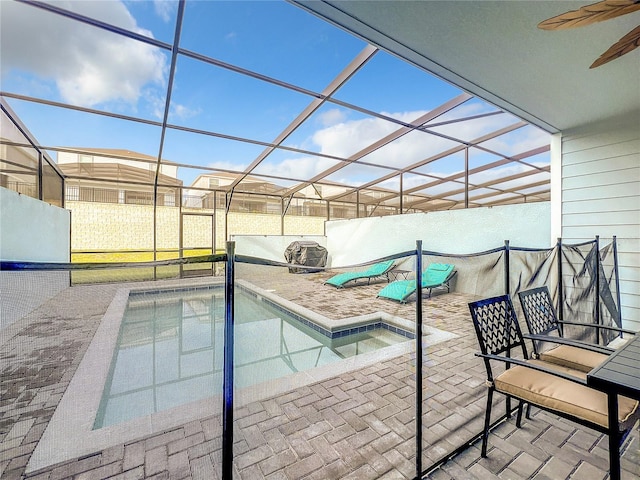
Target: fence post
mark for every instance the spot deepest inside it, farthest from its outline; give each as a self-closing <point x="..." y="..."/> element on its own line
<point x="560" y="282"/>
<point x="227" y="387"/>
<point x="507" y="287"/>
<point x="507" y="292"/>
<point x="597" y="293"/>
<point x="616" y="273"/>
<point x="419" y="359"/>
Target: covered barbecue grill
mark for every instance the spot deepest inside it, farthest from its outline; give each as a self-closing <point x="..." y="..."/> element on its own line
<point x="309" y="254"/>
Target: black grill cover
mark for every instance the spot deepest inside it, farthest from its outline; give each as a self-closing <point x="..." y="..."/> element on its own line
<point x="307" y="253"/>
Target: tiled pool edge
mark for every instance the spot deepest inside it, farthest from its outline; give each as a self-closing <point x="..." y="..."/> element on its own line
<point x="69" y="434"/>
<point x="321" y="324"/>
<point x="326" y="326"/>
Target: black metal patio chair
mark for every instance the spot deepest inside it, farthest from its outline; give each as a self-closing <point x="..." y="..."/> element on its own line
<point x="560" y="390"/>
<point x="547" y="334"/>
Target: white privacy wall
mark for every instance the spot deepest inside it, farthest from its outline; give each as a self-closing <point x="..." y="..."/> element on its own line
<point x="30" y="230"/>
<point x="271" y="247"/>
<point x="457" y="232"/>
<point x="601" y="196"/>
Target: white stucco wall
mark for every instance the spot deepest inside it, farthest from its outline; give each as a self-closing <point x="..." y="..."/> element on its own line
<point x="271" y="247"/>
<point x="31" y="230"/>
<point x="457" y="232"/>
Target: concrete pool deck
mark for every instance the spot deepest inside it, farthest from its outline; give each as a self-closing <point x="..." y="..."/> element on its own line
<point x="353" y="424"/>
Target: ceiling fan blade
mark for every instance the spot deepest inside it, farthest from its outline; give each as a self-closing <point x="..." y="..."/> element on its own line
<point x="589" y="14"/>
<point x="629" y="42"/>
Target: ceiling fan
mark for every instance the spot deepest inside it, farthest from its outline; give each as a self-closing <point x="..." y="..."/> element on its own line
<point x="598" y="12"/>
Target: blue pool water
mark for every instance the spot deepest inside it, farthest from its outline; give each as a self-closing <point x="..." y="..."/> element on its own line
<point x="170" y="349"/>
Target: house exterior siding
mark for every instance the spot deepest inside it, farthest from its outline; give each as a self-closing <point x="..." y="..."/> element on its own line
<point x="601" y="196"/>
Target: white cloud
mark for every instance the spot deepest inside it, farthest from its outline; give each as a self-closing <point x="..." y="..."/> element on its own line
<point x="348" y="137"/>
<point x="519" y="141"/>
<point x="332" y="117"/>
<point x="164" y="9"/>
<point x="181" y="112"/>
<point x="155" y="101"/>
<point x="483" y="177"/>
<point x="89" y="66"/>
<point x="227" y="165"/>
<point x="301" y="167"/>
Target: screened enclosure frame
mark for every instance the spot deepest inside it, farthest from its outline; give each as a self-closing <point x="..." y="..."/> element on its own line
<point x="388" y="192"/>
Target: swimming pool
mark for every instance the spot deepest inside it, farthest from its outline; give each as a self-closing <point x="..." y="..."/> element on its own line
<point x="70" y="433"/>
<point x="170" y="349"/>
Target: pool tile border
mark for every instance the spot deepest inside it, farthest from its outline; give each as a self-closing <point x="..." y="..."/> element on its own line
<point x="255" y="292"/>
<point x="334" y="333"/>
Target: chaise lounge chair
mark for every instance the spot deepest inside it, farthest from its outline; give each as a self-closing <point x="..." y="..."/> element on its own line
<point x="436" y="275"/>
<point x="374" y="271"/>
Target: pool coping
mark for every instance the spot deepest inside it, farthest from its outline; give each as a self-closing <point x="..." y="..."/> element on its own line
<point x="69" y="434"/>
<point x="325" y="325"/>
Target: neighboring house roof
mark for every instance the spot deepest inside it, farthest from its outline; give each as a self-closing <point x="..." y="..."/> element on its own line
<point x="230" y="176"/>
<point x="115" y="171"/>
<point x="117" y="153"/>
<point x="249" y="184"/>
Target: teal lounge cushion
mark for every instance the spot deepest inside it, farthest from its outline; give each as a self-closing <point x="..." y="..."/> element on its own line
<point x="373" y="271"/>
<point x="435" y="275"/>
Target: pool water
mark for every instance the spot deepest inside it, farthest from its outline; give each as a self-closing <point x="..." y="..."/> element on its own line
<point x="170" y="350"/>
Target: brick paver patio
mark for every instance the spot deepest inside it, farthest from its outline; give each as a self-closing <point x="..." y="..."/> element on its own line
<point x="357" y="425"/>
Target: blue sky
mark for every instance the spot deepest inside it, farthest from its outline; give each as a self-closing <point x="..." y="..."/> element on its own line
<point x="75" y="64"/>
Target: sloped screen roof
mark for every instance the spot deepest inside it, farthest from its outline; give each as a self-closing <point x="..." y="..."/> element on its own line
<point x="261" y="90"/>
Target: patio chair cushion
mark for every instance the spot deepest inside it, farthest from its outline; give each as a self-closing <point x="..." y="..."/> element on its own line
<point x="573" y="357"/>
<point x="560" y="368"/>
<point x="618" y="342"/>
<point x="562" y="395"/>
